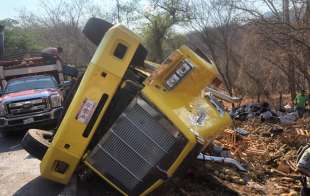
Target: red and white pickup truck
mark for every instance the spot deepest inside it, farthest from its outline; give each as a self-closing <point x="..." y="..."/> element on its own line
<point x="31" y="94"/>
<point x="31" y="89"/>
<point x="30" y="101"/>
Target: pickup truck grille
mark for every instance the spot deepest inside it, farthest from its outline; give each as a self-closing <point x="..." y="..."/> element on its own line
<point x="136" y="151"/>
<point x="28" y="106"/>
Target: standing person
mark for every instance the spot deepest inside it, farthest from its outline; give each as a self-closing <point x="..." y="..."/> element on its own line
<point x="51" y="54"/>
<point x="300" y="102"/>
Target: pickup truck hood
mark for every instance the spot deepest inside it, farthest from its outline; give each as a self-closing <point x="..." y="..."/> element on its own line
<point x="28" y="94"/>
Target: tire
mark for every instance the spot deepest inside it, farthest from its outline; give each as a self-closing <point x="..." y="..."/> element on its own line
<point x="36" y="142"/>
<point x="95" y="29"/>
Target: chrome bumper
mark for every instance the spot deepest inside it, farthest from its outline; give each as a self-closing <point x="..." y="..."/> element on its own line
<point x="47" y="117"/>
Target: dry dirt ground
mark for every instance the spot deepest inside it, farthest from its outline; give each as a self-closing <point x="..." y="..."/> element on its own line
<point x="19" y="172"/>
<point x="16" y="167"/>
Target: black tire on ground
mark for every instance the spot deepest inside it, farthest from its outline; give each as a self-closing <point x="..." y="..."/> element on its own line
<point x="36" y="142"/>
<point x="95" y="29"/>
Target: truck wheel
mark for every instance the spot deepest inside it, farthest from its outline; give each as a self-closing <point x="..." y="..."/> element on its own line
<point x="36" y="142"/>
<point x="95" y="29"/>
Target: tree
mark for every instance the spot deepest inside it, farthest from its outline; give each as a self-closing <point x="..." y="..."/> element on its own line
<point x="17" y="38"/>
<point x="60" y="24"/>
<point x="216" y="25"/>
<point x="126" y="12"/>
<point x="285" y="33"/>
<point x="160" y="20"/>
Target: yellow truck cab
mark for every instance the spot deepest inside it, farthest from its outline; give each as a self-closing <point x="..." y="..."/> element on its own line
<point x="132" y="131"/>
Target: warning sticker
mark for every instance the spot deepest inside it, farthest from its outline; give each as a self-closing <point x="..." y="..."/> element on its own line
<point x="86" y="111"/>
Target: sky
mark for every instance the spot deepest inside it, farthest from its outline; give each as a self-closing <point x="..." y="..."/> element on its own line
<point x="11" y="8"/>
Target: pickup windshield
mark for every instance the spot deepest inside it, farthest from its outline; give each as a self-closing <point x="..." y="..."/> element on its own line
<point x="29" y="83"/>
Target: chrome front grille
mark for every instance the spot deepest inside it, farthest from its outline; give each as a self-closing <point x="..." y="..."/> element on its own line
<point x="27" y="106"/>
<point x="133" y="148"/>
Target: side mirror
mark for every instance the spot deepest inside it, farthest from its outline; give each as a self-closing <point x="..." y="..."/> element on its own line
<point x="65" y="84"/>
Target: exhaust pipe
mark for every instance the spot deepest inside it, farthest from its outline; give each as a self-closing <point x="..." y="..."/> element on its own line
<point x="1" y="41"/>
<point x="222" y="96"/>
<point x="231" y="161"/>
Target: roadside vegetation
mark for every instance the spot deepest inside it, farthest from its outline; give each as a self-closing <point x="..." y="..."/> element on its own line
<point x="261" y="48"/>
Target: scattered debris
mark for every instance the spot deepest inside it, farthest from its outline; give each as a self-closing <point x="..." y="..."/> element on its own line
<point x="269" y="151"/>
<point x="288" y="118"/>
<point x="242" y="132"/>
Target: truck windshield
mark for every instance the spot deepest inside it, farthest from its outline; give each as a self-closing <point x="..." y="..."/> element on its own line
<point x="23" y="84"/>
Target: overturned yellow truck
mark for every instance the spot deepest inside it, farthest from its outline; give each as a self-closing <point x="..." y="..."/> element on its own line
<point x="134" y="131"/>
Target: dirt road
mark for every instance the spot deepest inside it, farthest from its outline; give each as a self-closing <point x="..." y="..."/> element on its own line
<point x="19" y="175"/>
<point x="16" y="166"/>
<point x="19" y="172"/>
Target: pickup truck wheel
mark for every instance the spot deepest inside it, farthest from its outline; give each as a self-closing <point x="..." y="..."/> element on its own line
<point x="36" y="142"/>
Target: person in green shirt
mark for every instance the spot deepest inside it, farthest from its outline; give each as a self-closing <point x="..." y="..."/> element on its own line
<point x="300" y="103"/>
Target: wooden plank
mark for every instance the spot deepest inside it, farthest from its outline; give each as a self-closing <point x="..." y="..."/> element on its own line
<point x="30" y="70"/>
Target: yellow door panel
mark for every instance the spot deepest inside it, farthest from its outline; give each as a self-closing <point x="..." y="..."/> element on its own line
<point x="98" y="86"/>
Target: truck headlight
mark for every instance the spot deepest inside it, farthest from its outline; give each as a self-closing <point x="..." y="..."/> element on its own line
<point x="2" y="109"/>
<point x="184" y="68"/>
<point x="56" y="100"/>
<point x="172" y="81"/>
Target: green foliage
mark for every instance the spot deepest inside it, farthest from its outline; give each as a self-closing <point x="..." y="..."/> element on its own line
<point x="160" y="38"/>
<point x="17" y="38"/>
<point x="154" y="33"/>
<point x="158" y="33"/>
